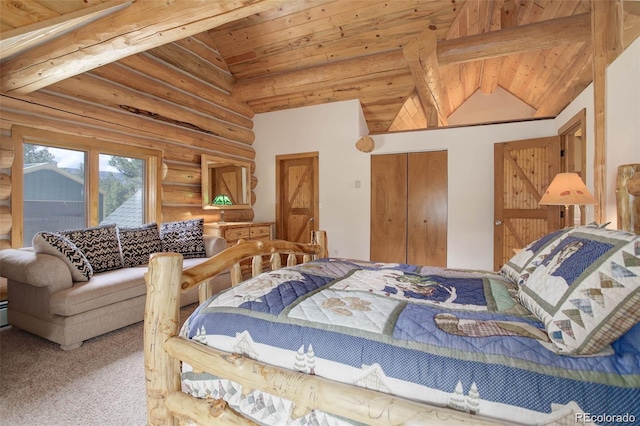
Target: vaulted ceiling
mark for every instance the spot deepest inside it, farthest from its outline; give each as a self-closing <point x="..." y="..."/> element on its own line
<point x="411" y="64"/>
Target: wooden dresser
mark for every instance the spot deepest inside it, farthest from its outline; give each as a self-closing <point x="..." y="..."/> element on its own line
<point x="248" y="231"/>
<point x="234" y="231"/>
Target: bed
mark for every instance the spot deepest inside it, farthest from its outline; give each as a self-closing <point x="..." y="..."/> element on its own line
<point x="552" y="338"/>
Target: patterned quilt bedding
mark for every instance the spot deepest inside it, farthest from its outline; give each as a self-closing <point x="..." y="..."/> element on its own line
<point x="456" y="338"/>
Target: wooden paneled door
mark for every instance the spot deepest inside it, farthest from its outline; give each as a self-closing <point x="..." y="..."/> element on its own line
<point x="523" y="171"/>
<point x="427" y="208"/>
<point x="389" y="208"/>
<point x="409" y="208"/>
<point x="297" y="204"/>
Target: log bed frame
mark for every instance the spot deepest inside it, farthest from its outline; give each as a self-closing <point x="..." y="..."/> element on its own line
<point x="164" y="349"/>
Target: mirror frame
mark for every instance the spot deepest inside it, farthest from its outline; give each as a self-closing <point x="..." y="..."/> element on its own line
<point x="211" y="161"/>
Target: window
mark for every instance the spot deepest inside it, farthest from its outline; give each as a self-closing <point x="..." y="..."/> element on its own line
<point x="54" y="195"/>
<point x="121" y="185"/>
<point x="72" y="182"/>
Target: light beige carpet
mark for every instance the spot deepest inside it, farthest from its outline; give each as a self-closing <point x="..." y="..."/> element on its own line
<point x="101" y="383"/>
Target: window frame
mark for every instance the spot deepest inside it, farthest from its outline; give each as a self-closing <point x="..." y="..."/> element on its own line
<point x="92" y="147"/>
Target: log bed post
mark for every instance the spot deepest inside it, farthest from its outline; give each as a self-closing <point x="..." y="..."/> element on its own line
<point x="162" y="372"/>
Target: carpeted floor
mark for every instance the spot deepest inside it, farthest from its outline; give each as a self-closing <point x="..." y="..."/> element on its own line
<point x="101" y="383"/>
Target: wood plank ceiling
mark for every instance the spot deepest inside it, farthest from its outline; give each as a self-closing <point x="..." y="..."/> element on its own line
<point x="276" y="54"/>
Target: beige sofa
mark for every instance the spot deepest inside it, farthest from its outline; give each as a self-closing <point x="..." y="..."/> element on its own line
<point x="44" y="300"/>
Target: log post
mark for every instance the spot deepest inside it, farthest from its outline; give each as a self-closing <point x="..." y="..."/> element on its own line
<point x="320" y="238"/>
<point x="256" y="266"/>
<point x="628" y="197"/>
<point x="275" y="261"/>
<point x="162" y="372"/>
<point x="508" y="18"/>
<point x="421" y="55"/>
<point x="605" y="29"/>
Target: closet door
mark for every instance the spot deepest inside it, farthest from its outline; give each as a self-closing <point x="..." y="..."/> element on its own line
<point x="388" y="208"/>
<point x="427" y="208"/>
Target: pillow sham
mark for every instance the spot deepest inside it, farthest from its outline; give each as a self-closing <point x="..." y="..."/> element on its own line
<point x="62" y="248"/>
<point x="518" y="268"/>
<point x="138" y="243"/>
<point x="629" y="342"/>
<point x="185" y="237"/>
<point x="586" y="290"/>
<point x="99" y="244"/>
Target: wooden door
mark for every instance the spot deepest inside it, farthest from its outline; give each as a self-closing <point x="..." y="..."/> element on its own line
<point x="427" y="208"/>
<point x="227" y="180"/>
<point x="297" y="202"/>
<point x="409" y="208"/>
<point x="388" y="208"/>
<point x="523" y="171"/>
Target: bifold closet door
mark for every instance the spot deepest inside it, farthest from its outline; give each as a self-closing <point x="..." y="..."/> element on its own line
<point x="389" y="208"/>
<point x="409" y="208"/>
<point x="427" y="208"/>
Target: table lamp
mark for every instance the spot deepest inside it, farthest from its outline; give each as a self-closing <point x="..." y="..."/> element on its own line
<point x="567" y="189"/>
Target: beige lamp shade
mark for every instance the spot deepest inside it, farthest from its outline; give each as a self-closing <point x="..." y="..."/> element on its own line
<point x="567" y="189"/>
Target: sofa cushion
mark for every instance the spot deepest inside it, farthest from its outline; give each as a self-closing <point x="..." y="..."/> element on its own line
<point x="99" y="244"/>
<point x="586" y="289"/>
<point x="139" y="243"/>
<point x="62" y="248"/>
<point x="184" y="237"/>
<point x="102" y="289"/>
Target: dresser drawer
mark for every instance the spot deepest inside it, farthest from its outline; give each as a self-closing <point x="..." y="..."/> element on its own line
<point x="234" y="234"/>
<point x="260" y="232"/>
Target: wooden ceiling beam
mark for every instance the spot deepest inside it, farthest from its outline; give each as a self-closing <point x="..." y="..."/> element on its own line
<point x="139" y="27"/>
<point x="631" y="29"/>
<point x="516" y="40"/>
<point x="511" y="41"/>
<point x="19" y="39"/>
<point x="422" y="58"/>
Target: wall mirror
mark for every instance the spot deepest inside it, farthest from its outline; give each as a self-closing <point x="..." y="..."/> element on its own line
<point x="225" y="183"/>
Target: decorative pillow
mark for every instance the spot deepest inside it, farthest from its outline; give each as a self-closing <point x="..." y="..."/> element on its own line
<point x="60" y="247"/>
<point x="184" y="237"/>
<point x="586" y="290"/>
<point x="139" y="243"/>
<point x="518" y="268"/>
<point x="99" y="244"/>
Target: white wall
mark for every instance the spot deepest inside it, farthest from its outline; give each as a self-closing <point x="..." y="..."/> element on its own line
<point x="622" y="128"/>
<point x="498" y="106"/>
<point x="333" y="130"/>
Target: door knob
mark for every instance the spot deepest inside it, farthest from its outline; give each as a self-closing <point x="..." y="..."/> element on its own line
<point x="498" y="222"/>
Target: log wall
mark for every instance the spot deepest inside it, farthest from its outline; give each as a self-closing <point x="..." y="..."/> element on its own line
<point x="148" y="100"/>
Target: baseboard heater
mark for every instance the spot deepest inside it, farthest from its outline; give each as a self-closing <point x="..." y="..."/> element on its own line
<point x="3" y="314"/>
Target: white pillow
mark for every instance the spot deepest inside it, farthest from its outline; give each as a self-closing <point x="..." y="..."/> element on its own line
<point x="62" y="248"/>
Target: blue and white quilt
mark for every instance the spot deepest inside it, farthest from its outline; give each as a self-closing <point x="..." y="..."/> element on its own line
<point x="456" y="338"/>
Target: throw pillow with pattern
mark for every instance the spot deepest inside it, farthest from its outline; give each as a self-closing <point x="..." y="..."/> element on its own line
<point x="586" y="290"/>
<point x="99" y="244"/>
<point x="185" y="237"/>
<point x="519" y="267"/>
<point x="60" y="247"/>
<point x="139" y="243"/>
